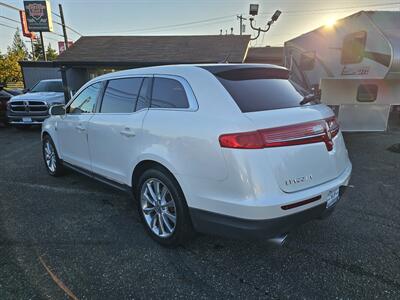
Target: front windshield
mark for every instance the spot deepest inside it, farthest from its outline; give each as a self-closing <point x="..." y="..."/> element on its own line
<point x="48" y="86"/>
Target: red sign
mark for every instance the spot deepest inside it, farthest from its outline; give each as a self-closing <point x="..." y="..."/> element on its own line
<point x="24" y="25"/>
<point x="61" y="46"/>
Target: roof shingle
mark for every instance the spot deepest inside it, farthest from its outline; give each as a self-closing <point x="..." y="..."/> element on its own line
<point x="158" y="49"/>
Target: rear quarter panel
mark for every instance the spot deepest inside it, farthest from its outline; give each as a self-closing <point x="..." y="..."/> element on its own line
<point x="185" y="140"/>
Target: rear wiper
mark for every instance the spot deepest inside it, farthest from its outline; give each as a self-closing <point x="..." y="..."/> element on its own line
<point x="308" y="98"/>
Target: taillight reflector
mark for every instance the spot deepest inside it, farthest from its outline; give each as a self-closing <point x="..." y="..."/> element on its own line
<point x="300" y="203"/>
<point x="298" y="134"/>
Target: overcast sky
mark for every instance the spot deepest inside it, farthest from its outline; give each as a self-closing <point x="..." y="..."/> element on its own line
<point x="190" y="17"/>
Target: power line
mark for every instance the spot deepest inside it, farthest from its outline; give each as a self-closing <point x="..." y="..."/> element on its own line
<point x="190" y="26"/>
<point x="312" y="11"/>
<point x="54" y="13"/>
<point x="213" y="20"/>
<point x="73" y="30"/>
<point x="5" y="25"/>
<point x="16" y="21"/>
<point x="172" y="25"/>
<point x="9" y="6"/>
<point x="9" y="19"/>
<point x="306" y="12"/>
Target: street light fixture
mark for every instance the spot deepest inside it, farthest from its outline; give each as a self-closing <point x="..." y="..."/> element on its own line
<point x="253" y="9"/>
<point x="254" y="12"/>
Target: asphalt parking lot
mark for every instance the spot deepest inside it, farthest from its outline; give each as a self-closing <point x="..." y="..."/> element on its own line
<point x="74" y="237"/>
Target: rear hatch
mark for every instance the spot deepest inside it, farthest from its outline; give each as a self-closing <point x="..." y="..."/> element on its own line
<point x="300" y="166"/>
<point x="301" y="143"/>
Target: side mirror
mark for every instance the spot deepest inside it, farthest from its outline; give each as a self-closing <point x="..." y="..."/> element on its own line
<point x="25" y="90"/>
<point x="57" y="110"/>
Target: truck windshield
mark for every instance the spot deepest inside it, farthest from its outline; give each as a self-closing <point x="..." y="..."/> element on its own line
<point x="48" y="86"/>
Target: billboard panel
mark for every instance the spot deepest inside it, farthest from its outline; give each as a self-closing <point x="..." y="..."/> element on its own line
<point x="61" y="46"/>
<point x="38" y="15"/>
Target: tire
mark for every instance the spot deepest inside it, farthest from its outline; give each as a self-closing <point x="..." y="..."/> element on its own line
<point x="51" y="160"/>
<point x="171" y="203"/>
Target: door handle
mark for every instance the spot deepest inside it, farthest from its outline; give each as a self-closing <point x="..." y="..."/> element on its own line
<point x="80" y="127"/>
<point x="127" y="132"/>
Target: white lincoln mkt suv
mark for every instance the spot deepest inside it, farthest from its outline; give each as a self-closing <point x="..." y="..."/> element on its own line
<point x="227" y="149"/>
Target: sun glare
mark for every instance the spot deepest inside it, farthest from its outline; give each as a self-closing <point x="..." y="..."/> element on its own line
<point x="330" y="22"/>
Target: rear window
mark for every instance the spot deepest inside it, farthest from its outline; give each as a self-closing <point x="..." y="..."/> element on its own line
<point x="260" y="89"/>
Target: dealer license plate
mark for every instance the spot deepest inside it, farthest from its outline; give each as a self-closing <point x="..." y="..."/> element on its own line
<point x="333" y="197"/>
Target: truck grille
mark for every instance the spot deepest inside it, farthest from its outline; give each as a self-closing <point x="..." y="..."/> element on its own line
<point x="28" y="106"/>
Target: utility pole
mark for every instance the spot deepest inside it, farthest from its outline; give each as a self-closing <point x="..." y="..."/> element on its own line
<point x="43" y="47"/>
<point x="241" y="18"/>
<point x="63" y="27"/>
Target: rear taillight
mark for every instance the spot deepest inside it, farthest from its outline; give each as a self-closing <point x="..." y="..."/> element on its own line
<point x="298" y="134"/>
<point x="243" y="140"/>
<point x="333" y="126"/>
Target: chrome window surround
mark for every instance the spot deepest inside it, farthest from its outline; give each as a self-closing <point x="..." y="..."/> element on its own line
<point x="193" y="104"/>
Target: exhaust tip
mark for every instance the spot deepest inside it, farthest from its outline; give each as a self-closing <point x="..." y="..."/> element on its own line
<point x="279" y="240"/>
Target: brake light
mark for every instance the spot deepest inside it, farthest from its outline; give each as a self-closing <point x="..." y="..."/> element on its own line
<point x="243" y="140"/>
<point x="298" y="134"/>
<point x="333" y="126"/>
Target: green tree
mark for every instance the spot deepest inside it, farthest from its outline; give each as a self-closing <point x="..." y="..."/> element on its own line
<point x="51" y="53"/>
<point x="37" y="53"/>
<point x="10" y="71"/>
<point x="18" y="46"/>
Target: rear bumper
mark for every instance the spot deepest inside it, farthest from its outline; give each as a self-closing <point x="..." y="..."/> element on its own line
<point x="228" y="226"/>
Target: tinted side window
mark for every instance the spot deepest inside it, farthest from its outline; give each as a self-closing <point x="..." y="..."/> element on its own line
<point x="143" y="100"/>
<point x="86" y="100"/>
<point x="120" y="95"/>
<point x="168" y="93"/>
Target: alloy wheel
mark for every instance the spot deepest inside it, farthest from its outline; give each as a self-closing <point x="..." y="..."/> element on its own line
<point x="158" y="207"/>
<point x="50" y="156"/>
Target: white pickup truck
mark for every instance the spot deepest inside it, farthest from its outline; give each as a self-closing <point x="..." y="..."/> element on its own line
<point x="32" y="108"/>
